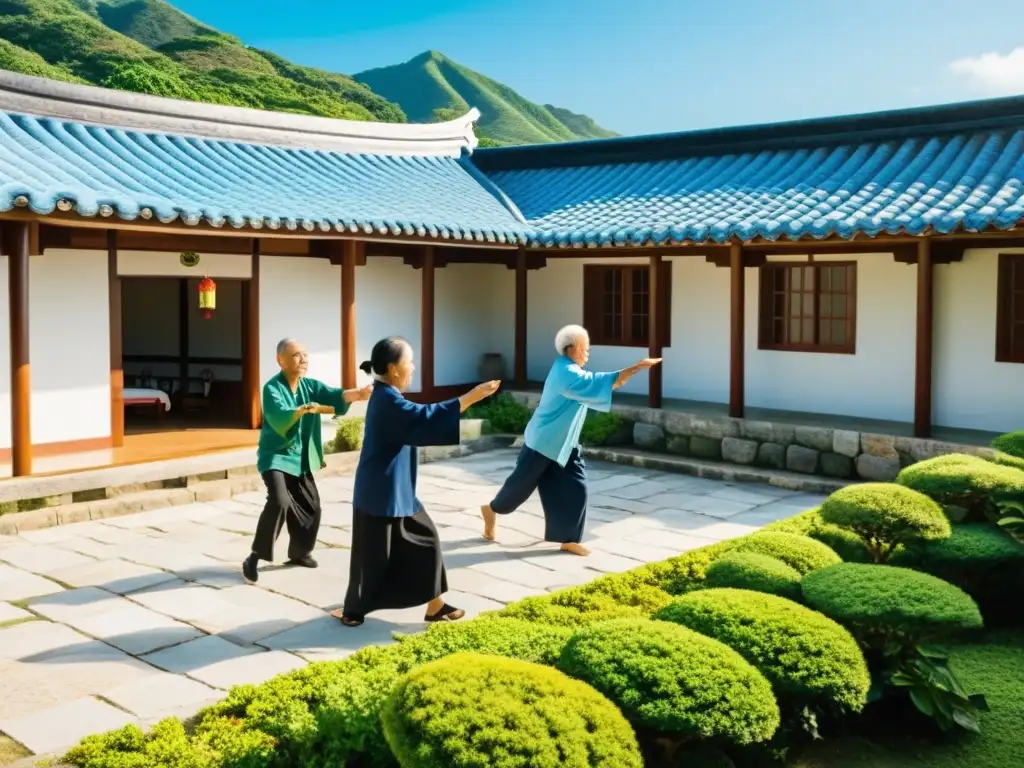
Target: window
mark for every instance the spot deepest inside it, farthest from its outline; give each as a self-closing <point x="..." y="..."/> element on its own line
<point x="809" y="307"/>
<point x="617" y="303"/>
<point x="1010" y="309"/>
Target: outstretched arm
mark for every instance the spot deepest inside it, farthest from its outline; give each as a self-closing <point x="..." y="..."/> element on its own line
<point x="592" y="389"/>
<point x="438" y="423"/>
<point x="335" y="400"/>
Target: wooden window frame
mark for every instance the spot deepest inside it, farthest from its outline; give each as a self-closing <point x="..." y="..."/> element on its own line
<point x="593" y="299"/>
<point x="765" y="340"/>
<point x="1005" y="316"/>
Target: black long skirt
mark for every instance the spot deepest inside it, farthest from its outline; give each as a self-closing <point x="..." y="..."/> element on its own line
<point x="396" y="563"/>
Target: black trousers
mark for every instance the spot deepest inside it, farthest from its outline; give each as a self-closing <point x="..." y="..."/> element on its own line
<point x="292" y="500"/>
<point x="563" y="493"/>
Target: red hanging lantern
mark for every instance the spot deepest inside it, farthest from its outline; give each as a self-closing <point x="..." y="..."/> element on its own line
<point x="207" y="297"/>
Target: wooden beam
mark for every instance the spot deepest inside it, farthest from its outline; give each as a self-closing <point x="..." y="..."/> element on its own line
<point x="348" y="314"/>
<point x="655" y="322"/>
<point x="427" y="324"/>
<point x="925" y="332"/>
<point x="116" y="343"/>
<point x="521" y="316"/>
<point x="252" y="405"/>
<point x="737" y="313"/>
<point x="16" y="237"/>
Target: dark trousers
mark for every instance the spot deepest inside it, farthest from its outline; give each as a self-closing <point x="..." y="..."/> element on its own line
<point x="563" y="493"/>
<point x="292" y="500"/>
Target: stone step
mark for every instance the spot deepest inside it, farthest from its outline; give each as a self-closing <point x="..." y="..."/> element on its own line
<point x="715" y="470"/>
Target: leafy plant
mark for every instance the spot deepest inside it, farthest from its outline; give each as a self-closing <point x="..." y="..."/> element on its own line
<point x="963" y="484"/>
<point x="599" y="426"/>
<point x="1011" y="443"/>
<point x="503" y="412"/>
<point x="925" y="674"/>
<point x="1011" y="517"/>
<point x="754" y="571"/>
<point x="349" y="436"/>
<point x="801" y="553"/>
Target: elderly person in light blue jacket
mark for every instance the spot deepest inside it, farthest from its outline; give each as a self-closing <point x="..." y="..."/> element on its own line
<point x="550" y="461"/>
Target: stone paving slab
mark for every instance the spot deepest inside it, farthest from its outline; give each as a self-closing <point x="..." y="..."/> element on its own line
<point x="147" y="614"/>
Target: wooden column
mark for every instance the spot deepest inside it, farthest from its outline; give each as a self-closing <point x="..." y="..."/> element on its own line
<point x="737" y="313"/>
<point x="520" y="336"/>
<point x="252" y="408"/>
<point x="348" y="313"/>
<point x="16" y="245"/>
<point x="116" y="344"/>
<point x="427" y="326"/>
<point x="923" y="367"/>
<point x="655" y="324"/>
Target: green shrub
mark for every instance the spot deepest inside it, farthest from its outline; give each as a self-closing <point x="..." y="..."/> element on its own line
<point x="980" y="559"/>
<point x="349" y="436"/>
<point x="801" y="553"/>
<point x="673" y="680"/>
<point x="884" y="601"/>
<point x="959" y="480"/>
<point x="610" y="597"/>
<point x="1007" y="460"/>
<point x="503" y="412"/>
<point x="885" y="515"/>
<point x="754" y="571"/>
<point x="599" y="426"/>
<point x="807" y="657"/>
<point x="476" y="711"/>
<point x="493" y="636"/>
<point x="848" y="545"/>
<point x="1011" y="443"/>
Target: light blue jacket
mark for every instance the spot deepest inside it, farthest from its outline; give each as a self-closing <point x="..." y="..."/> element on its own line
<point x="554" y="428"/>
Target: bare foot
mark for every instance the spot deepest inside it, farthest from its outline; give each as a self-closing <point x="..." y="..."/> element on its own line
<point x="490" y="521"/>
<point x="576" y="549"/>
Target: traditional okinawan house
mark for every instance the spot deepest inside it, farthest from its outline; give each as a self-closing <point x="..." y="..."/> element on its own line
<point x="851" y="275"/>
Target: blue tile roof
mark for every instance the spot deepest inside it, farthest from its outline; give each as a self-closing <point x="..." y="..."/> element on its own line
<point x="49" y="164"/>
<point x="910" y="172"/>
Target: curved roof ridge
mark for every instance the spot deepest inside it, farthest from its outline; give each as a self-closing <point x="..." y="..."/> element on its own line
<point x="40" y="97"/>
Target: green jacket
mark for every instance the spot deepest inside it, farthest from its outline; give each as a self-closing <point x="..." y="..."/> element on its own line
<point x="294" y="446"/>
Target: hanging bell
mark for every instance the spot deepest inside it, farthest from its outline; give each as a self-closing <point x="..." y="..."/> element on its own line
<point x="207" y="297"/>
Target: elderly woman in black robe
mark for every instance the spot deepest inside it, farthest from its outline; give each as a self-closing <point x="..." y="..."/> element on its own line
<point x="396" y="553"/>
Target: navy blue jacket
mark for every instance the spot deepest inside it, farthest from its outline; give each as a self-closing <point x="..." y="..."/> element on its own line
<point x="386" y="476"/>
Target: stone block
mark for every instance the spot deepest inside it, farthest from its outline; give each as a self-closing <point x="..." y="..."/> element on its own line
<point x="759" y="431"/>
<point x="648" y="437"/>
<point x="836" y="465"/>
<point x="801" y="459"/>
<point x="882" y="446"/>
<point x="715" y="429"/>
<point x="706" y="447"/>
<point x="878" y="468"/>
<point x="622" y="436"/>
<point x="739" y="451"/>
<point x="678" y="445"/>
<point x="815" y="437"/>
<point x="470" y="429"/>
<point x="61" y="727"/>
<point x="771" y="455"/>
<point x="678" y="423"/>
<point x="846" y="443"/>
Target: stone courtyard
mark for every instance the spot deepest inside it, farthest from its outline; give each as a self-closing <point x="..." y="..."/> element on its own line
<point x="135" y="618"/>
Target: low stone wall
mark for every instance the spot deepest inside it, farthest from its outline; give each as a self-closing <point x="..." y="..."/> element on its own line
<point x="837" y="453"/>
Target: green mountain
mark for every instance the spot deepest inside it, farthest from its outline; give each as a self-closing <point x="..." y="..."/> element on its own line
<point x="432" y="86"/>
<point x="149" y="46"/>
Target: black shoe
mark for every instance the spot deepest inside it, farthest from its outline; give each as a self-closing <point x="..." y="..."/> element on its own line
<point x="306" y="561"/>
<point x="250" y="571"/>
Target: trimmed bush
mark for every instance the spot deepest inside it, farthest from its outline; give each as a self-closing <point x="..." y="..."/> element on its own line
<point x="980" y="559"/>
<point x="808" y="658"/>
<point x="848" y="545"/>
<point x="673" y="680"/>
<point x="599" y="426"/>
<point x="503" y="412"/>
<point x="493" y="636"/>
<point x="349" y="436"/>
<point x="1011" y="443"/>
<point x="754" y="571"/>
<point x="959" y="480"/>
<point x="610" y="597"/>
<point x="884" y="600"/>
<point x="476" y="711"/>
<point x="885" y="515"/>
<point x="800" y="553"/>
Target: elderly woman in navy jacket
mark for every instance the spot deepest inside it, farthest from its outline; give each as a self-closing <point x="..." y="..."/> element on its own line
<point x="396" y="553"/>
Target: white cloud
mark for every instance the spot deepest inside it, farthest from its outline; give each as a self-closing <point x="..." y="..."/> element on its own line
<point x="994" y="73"/>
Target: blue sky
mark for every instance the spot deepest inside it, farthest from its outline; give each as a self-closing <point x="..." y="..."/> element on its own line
<point x="647" y="66"/>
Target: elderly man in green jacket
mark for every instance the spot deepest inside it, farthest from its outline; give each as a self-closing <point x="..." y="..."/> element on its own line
<point x="290" y="451"/>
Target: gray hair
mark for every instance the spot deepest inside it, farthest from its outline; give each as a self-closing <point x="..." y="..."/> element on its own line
<point x="568" y="335"/>
<point x="283" y="344"/>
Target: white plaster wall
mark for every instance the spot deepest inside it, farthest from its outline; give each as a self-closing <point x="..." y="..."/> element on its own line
<point x="387" y="304"/>
<point x="69" y="337"/>
<point x="877" y="382"/>
<point x="971" y="390"/>
<point x="165" y="264"/>
<point x="5" y="357"/>
<point x="301" y="297"/>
